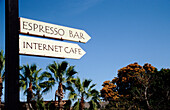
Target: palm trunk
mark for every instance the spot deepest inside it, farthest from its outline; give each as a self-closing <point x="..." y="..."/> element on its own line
<point x="29" y="95"/>
<point x="82" y="103"/>
<point x="60" y="97"/>
<point x="29" y="92"/>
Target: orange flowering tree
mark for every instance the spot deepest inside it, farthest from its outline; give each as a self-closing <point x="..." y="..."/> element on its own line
<point x="109" y="91"/>
<point x="130" y="87"/>
<point x="128" y="77"/>
<point x="135" y="81"/>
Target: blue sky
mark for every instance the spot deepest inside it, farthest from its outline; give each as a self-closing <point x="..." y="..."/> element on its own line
<point x="122" y="32"/>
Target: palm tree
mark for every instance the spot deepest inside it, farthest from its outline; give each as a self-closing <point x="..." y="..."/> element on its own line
<point x="94" y="102"/>
<point x="27" y="79"/>
<point x="2" y="75"/>
<point x="80" y="92"/>
<point x="31" y="80"/>
<point x="63" y="75"/>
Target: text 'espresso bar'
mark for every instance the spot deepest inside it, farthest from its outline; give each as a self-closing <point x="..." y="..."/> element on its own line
<point x="42" y="29"/>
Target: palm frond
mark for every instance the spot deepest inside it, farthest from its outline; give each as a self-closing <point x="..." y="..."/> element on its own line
<point x="46" y="90"/>
<point x="76" y="105"/>
<point x="70" y="88"/>
<point x="22" y="84"/>
<point x="72" y="96"/>
<point x="33" y="68"/>
<point x="86" y="83"/>
<point x="64" y="88"/>
<point x="70" y="71"/>
<point x="78" y="84"/>
<point x="45" y="75"/>
<point x="93" y="105"/>
<point x="36" y="74"/>
<point x="91" y="87"/>
<point x="62" y="67"/>
<point x="52" y="68"/>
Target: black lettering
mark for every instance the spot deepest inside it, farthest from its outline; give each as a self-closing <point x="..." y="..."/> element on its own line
<point x="35" y="26"/>
<point x="47" y="29"/>
<point x="76" y="34"/>
<point x="60" y="47"/>
<point x="66" y="50"/>
<point x="44" y="47"/>
<point x="79" y="51"/>
<point x="56" y="32"/>
<point x="24" y="25"/>
<point x="29" y="24"/>
<point x="72" y="50"/>
<point x="51" y="29"/>
<point x="49" y="47"/>
<point x="35" y="45"/>
<point x="23" y="44"/>
<point x="75" y="50"/>
<point x="70" y="33"/>
<point x="39" y="46"/>
<point x="41" y="28"/>
<point x="61" y="32"/>
<point x="56" y="48"/>
<point x="81" y="35"/>
<point x="27" y="44"/>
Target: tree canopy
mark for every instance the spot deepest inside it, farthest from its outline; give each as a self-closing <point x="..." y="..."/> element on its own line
<point x="138" y="86"/>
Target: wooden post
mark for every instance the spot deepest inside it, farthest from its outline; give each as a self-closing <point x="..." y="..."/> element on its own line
<point x="11" y="55"/>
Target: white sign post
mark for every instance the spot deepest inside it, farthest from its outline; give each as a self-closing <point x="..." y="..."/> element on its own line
<point x="48" y="30"/>
<point x="49" y="48"/>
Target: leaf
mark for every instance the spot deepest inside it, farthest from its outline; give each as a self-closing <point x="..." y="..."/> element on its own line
<point x="76" y="105"/>
<point x="45" y="75"/>
<point x="93" y="105"/>
<point x="52" y="68"/>
<point x="63" y="66"/>
<point x="91" y="87"/>
<point x="72" y="95"/>
<point x="86" y="83"/>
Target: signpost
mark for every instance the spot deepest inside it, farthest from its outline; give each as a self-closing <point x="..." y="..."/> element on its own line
<point x="11" y="55"/>
<point x="53" y="31"/>
<point x="49" y="48"/>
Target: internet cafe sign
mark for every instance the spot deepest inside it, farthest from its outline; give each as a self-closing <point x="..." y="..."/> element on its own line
<point x="38" y="28"/>
<point x="49" y="48"/>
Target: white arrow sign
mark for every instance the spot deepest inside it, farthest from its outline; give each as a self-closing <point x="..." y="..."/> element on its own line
<point x="43" y="29"/>
<point x="49" y="48"/>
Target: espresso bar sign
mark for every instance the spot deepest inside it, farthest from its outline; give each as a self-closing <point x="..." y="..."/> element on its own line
<point x="49" y="48"/>
<point x="43" y="29"/>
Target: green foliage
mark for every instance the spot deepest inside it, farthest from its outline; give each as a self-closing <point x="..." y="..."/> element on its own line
<point x="63" y="75"/>
<point x="93" y="105"/>
<point x="82" y="91"/>
<point x="32" y="82"/>
<point x="160" y="99"/>
<point x="27" y="80"/>
<point x="76" y="105"/>
<point x="40" y="105"/>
